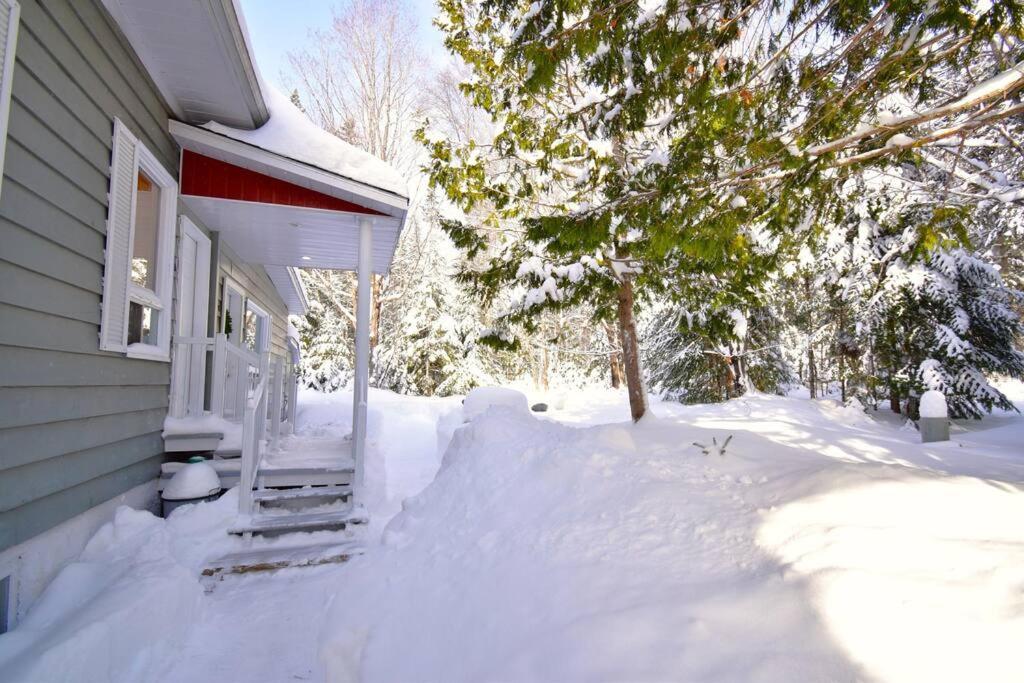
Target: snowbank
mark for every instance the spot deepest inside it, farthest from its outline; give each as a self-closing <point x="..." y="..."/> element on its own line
<point x="291" y="134"/>
<point x="116" y="614"/>
<point x="480" y="400"/>
<point x="617" y="552"/>
<point x="610" y="553"/>
<point x="124" y="608"/>
<point x="914" y="588"/>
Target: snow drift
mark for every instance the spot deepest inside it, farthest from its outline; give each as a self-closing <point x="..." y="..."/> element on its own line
<point x="116" y="614"/>
<point x="822" y="547"/>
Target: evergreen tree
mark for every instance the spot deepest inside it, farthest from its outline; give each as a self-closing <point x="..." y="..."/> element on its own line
<point x="931" y="313"/>
<point x="690" y="364"/>
<point x="428" y="336"/>
<point x="639" y="143"/>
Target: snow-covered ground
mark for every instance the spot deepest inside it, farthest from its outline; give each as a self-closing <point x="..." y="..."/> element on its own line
<point x="825" y="545"/>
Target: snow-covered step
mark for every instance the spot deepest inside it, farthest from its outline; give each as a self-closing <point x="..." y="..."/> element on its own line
<point x="269" y="477"/>
<point x="300" y="521"/>
<point x="272" y="559"/>
<point x="313" y="495"/>
<point x="192" y="443"/>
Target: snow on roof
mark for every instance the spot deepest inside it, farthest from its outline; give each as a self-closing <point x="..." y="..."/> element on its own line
<point x="291" y="134"/>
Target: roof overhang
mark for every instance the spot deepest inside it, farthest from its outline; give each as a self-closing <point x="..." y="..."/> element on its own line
<point x="196" y="54"/>
<point x="282" y="214"/>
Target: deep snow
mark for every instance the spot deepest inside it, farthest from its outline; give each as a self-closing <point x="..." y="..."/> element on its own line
<point x="826" y="545"/>
<point x="290" y="133"/>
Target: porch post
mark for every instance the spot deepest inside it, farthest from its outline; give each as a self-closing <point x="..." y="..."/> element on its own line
<point x="362" y="374"/>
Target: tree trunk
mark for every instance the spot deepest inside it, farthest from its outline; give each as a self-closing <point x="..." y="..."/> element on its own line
<point x="631" y="351"/>
<point x="614" y="358"/>
<point x="544" y="367"/>
<point x="812" y="371"/>
<point x="894" y="400"/>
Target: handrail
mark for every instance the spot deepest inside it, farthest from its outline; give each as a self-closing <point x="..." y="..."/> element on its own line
<point x="276" y="399"/>
<point x="253" y="424"/>
<point x="250" y="357"/>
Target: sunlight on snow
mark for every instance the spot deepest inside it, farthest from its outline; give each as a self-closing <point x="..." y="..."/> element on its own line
<point x="935" y="597"/>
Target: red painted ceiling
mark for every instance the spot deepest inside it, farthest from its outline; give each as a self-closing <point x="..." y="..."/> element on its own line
<point x="203" y="176"/>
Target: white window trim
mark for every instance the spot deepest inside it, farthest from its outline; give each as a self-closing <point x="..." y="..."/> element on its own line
<point x="263" y="343"/>
<point x="162" y="298"/>
<point x="230" y="284"/>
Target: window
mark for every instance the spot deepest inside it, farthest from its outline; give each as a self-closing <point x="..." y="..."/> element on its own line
<point x="138" y="274"/>
<point x="244" y="322"/>
<point x="257" y="323"/>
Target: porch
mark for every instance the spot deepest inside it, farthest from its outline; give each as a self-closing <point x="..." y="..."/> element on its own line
<point x="234" y="394"/>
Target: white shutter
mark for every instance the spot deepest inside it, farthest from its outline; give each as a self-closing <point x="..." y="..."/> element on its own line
<point x="120" y="217"/>
<point x="9" y="13"/>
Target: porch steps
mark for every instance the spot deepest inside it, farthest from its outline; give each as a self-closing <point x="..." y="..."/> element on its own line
<point x="306" y="495"/>
<point x="331" y="520"/>
<point x="272" y="559"/>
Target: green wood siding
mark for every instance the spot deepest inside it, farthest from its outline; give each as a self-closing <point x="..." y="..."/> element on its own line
<point x="78" y="426"/>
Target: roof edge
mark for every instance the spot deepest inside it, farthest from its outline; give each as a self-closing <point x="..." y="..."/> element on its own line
<point x="239" y="35"/>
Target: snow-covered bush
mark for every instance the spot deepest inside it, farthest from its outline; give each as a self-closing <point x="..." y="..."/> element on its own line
<point x="690" y="359"/>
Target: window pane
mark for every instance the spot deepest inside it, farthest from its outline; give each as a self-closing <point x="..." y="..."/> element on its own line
<point x="251" y="329"/>
<point x="253" y="332"/>
<point x="147" y="229"/>
<point x="142" y="324"/>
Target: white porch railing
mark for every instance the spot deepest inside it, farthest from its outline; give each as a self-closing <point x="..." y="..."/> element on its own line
<point x="188" y="376"/>
<point x="234" y="372"/>
<point x="254" y="389"/>
<point x="254" y="424"/>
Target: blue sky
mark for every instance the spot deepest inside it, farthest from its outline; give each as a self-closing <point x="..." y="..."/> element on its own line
<point x="278" y="27"/>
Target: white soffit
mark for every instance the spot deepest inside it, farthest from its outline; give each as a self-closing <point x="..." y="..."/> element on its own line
<point x="197" y="56"/>
<point x="280" y="235"/>
<point x="289" y="286"/>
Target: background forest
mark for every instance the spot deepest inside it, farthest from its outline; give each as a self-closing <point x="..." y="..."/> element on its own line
<point x="874" y="266"/>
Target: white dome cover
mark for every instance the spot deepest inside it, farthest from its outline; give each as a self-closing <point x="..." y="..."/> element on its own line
<point x="933" y="404"/>
<point x="194" y="480"/>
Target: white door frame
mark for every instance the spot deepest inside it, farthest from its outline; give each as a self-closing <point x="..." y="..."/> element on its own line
<point x="189" y="363"/>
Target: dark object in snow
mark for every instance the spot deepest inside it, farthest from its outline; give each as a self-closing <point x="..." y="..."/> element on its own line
<point x="933" y="429"/>
<point x="714" y="448"/>
<point x="539" y="407"/>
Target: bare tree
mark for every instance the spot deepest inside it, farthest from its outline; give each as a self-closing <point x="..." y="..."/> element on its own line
<point x="360" y="79"/>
